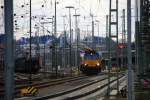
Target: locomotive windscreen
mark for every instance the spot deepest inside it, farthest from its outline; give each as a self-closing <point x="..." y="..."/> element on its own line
<point x="91" y="56"/>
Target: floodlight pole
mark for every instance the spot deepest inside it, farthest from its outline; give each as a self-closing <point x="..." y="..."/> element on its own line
<point x="77" y="39"/>
<point x="69" y="7"/>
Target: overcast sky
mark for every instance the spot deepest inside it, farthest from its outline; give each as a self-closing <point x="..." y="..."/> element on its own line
<point x="99" y="8"/>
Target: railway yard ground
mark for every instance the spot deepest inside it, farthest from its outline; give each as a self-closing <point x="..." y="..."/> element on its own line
<point x="78" y="87"/>
<point x="67" y="86"/>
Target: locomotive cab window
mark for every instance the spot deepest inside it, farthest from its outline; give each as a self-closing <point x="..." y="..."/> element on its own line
<point x="91" y="57"/>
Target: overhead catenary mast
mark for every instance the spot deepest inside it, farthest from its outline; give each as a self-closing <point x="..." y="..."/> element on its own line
<point x="77" y="39"/>
<point x="70" y="47"/>
<point x="93" y="44"/>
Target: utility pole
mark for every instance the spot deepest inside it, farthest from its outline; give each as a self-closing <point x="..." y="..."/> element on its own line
<point x="9" y="57"/>
<point x="124" y="26"/>
<point x="64" y="45"/>
<point x="77" y="39"/>
<point x="117" y="53"/>
<point x="130" y="70"/>
<point x="98" y="30"/>
<point x="107" y="31"/>
<point x="123" y="37"/>
<point x="53" y="58"/>
<point x="87" y="34"/>
<point x="37" y="40"/>
<point x="108" y="49"/>
<point x="30" y="52"/>
<point x="69" y="7"/>
<point x="44" y="55"/>
<point x="44" y="47"/>
<point x="55" y="36"/>
<point x="93" y="44"/>
<point x="65" y="31"/>
<point x="137" y="35"/>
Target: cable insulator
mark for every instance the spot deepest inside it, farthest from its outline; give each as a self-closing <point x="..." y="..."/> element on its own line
<point x="22" y="6"/>
<point x="2" y="7"/>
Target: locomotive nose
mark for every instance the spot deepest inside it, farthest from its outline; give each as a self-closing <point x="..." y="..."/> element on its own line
<point x="92" y="63"/>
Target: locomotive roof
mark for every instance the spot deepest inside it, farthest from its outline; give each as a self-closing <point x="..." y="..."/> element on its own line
<point x="89" y="50"/>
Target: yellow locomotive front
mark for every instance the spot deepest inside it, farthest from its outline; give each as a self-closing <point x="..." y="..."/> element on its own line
<point x="91" y="63"/>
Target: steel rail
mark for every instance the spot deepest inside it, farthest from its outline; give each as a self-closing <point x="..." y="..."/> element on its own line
<point x="92" y="91"/>
<point x="68" y="91"/>
<point x="47" y="83"/>
<point x="75" y="89"/>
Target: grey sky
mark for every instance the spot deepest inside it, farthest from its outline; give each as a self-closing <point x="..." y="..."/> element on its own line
<point x="100" y="8"/>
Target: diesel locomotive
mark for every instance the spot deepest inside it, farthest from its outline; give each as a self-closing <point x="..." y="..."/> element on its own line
<point x="91" y="62"/>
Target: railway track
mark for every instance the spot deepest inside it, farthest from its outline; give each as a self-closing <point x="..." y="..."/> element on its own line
<point x="46" y="84"/>
<point x="72" y="93"/>
<point x="78" y="91"/>
<point x="102" y="92"/>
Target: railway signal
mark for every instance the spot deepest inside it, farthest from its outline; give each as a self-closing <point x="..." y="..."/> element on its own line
<point x="120" y="46"/>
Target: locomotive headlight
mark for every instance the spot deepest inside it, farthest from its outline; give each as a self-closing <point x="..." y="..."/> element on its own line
<point x="97" y="64"/>
<point x="85" y="64"/>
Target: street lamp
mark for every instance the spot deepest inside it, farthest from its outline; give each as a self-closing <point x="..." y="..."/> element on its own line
<point x="69" y="7"/>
